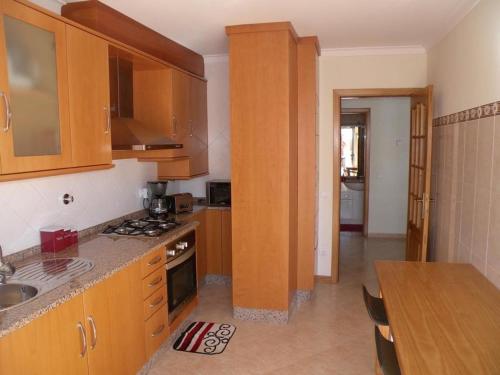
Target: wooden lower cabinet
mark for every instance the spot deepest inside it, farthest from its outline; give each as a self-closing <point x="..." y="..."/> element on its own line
<point x="154" y="296"/>
<point x="214" y="242"/>
<point x="226" y="246"/>
<point x="50" y="344"/>
<point x="156" y="331"/>
<point x="108" y="317"/>
<point x="218" y="237"/>
<point x="115" y="324"/>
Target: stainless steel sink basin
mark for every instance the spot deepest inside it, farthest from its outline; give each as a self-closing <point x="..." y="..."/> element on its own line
<point x="35" y="279"/>
<point x="14" y="294"/>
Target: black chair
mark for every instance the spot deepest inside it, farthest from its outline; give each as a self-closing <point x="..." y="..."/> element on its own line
<point x="386" y="354"/>
<point x="375" y="307"/>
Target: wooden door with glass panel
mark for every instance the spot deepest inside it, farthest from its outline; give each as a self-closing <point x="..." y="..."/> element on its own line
<point x="34" y="118"/>
<point x="420" y="177"/>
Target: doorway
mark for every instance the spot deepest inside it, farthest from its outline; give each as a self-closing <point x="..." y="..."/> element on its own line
<point x="354" y="169"/>
<point x="420" y="141"/>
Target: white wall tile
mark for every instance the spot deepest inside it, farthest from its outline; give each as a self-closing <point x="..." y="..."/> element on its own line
<point x="28" y="205"/>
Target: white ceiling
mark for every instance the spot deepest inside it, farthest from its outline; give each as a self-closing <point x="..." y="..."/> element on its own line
<point x="199" y="24"/>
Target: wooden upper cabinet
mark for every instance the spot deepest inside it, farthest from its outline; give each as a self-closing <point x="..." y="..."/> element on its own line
<point x="199" y="129"/>
<point x="90" y="116"/>
<point x="173" y="105"/>
<point x="115" y="323"/>
<point x="181" y="106"/>
<point x="51" y="344"/>
<point x="154" y="105"/>
<point x="34" y="115"/>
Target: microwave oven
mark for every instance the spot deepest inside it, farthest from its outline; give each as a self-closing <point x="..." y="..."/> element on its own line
<point x="219" y="193"/>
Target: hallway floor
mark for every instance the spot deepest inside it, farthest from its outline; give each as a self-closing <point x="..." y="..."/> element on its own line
<point x="331" y="334"/>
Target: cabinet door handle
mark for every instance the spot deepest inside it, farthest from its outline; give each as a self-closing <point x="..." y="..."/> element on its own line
<point x="155" y="282"/>
<point x="154" y="261"/>
<point x="93" y="337"/>
<point x="158" y="330"/>
<point x="108" y="120"/>
<point x="190" y="128"/>
<point x="8" y="112"/>
<point x="83" y="339"/>
<point x="156" y="302"/>
<point x="174" y="126"/>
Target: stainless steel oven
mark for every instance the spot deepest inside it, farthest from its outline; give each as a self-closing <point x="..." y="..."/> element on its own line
<point x="181" y="273"/>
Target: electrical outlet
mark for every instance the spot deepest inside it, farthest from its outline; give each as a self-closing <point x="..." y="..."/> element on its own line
<point x="143" y="193"/>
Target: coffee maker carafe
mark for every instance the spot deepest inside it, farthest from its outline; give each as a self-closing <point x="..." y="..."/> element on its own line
<point x="156" y="201"/>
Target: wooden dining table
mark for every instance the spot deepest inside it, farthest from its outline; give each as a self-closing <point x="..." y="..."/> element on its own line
<point x="444" y="317"/>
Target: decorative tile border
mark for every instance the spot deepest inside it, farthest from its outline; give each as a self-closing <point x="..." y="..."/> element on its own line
<point x="261" y="315"/>
<point x="217" y="280"/>
<point x="273" y="316"/>
<point x="487" y="110"/>
<point x="303" y="296"/>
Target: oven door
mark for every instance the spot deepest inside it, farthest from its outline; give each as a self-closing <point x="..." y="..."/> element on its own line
<point x="181" y="280"/>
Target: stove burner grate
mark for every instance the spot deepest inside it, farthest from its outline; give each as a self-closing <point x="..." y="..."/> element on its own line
<point x="146" y="227"/>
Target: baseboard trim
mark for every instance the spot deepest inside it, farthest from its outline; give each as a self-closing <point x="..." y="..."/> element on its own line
<point x="387" y="235"/>
<point x="323" y="279"/>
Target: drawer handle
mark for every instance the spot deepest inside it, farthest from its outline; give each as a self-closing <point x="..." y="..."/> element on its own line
<point x="154" y="261"/>
<point x="156" y="302"/>
<point x="155" y="282"/>
<point x="158" y="330"/>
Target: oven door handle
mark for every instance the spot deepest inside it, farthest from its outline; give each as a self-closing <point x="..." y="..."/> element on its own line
<point x="181" y="259"/>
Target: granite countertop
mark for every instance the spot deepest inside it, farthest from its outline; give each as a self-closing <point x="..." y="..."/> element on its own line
<point x="109" y="255"/>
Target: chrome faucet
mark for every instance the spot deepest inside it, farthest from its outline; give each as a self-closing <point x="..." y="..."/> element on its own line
<point x="6" y="269"/>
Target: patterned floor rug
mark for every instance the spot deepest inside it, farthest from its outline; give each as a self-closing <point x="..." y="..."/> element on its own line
<point x="205" y="338"/>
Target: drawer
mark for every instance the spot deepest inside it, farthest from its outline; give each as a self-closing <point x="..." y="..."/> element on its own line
<point x="154" y="302"/>
<point x="153" y="261"/>
<point x="156" y="330"/>
<point x="153" y="282"/>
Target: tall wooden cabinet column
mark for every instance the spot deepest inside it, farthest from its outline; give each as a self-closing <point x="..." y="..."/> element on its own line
<point x="307" y="61"/>
<point x="263" y="86"/>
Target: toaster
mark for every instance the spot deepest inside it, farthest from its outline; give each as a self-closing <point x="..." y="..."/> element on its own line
<point x="178" y="203"/>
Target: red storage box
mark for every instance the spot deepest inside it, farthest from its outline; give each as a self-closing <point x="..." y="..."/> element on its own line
<point x="52" y="239"/>
<point x="68" y="238"/>
<point x="74" y="237"/>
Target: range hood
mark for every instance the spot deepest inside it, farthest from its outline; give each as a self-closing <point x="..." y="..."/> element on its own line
<point x="130" y="134"/>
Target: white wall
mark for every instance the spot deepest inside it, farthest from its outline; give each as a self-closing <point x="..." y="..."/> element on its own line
<point x="465" y="69"/>
<point x="28" y="205"/>
<point x="341" y="72"/>
<point x="389" y="157"/>
<point x="219" y="146"/>
<point x="465" y="65"/>
<point x="53" y="5"/>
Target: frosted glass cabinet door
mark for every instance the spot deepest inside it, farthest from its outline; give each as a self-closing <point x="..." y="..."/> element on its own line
<point x="34" y="120"/>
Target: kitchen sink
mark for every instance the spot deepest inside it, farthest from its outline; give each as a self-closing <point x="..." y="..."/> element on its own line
<point x="14" y="294"/>
<point x="37" y="278"/>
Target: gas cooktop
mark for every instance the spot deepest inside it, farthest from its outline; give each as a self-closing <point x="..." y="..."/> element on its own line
<point x="145" y="227"/>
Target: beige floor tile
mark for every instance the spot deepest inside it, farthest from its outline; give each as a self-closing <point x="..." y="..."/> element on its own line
<point x="331" y="334"/>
